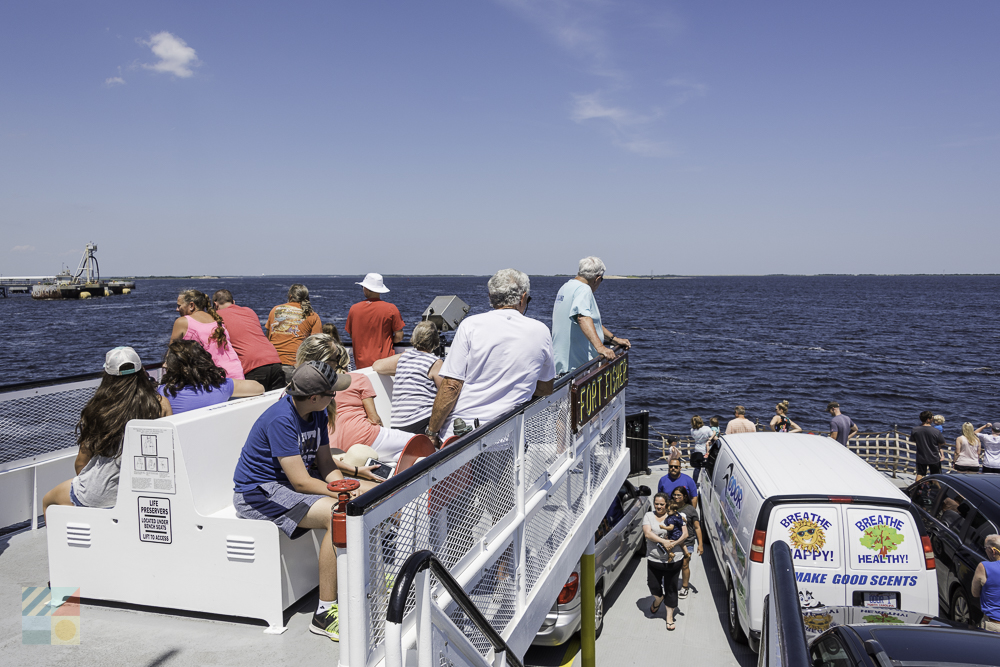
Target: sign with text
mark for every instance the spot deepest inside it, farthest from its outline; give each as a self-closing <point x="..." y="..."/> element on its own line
<point x="154" y="520"/>
<point x="152" y="459"/>
<point x="596" y="389"/>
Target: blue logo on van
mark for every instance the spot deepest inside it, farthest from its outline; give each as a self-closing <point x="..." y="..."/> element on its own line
<point x="734" y="492"/>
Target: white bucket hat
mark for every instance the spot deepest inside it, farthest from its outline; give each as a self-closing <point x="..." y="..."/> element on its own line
<point x="373" y="281"/>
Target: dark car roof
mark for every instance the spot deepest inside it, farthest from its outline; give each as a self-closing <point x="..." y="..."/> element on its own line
<point x="982" y="490"/>
<point x="933" y="645"/>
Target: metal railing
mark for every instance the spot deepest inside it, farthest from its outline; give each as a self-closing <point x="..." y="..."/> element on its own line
<point x="507" y="510"/>
<point x="890" y="452"/>
<point x="784" y="642"/>
<point x="414" y="566"/>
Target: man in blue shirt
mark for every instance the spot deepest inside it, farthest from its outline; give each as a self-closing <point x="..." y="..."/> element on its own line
<point x="986" y="584"/>
<point x="675" y="478"/>
<point x="276" y="478"/>
<point x="578" y="335"/>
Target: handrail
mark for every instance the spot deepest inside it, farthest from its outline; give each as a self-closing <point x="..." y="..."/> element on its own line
<point x="420" y="561"/>
<point x="376" y="495"/>
<point x="791" y="640"/>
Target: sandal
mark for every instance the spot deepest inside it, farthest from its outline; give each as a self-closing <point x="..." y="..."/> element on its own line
<point x="655" y="608"/>
<point x="671" y="626"/>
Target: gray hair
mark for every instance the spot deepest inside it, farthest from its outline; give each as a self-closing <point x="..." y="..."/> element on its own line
<point x="507" y="286"/>
<point x="425" y="336"/>
<point x="323" y="348"/>
<point x="992" y="541"/>
<point x="591" y="268"/>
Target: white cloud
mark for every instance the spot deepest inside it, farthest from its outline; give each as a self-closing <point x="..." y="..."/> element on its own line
<point x="176" y="57"/>
<point x="114" y="81"/>
<point x="592" y="32"/>
<point x="23" y="248"/>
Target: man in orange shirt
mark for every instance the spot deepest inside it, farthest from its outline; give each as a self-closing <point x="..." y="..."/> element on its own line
<point x="373" y="325"/>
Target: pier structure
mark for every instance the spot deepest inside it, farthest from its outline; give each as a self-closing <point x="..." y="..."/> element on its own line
<point x="20" y="284"/>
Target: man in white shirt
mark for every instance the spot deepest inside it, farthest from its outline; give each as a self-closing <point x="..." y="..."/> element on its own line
<point x="497" y="361"/>
<point x="578" y="335"/>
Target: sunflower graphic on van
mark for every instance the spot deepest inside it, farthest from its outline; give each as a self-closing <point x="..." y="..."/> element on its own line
<point x="806" y="535"/>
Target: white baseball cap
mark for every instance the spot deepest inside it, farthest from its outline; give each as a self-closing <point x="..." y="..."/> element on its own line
<point x="373" y="281"/>
<point x="120" y="357"/>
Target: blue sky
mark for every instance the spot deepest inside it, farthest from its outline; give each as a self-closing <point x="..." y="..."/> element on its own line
<point x="469" y="135"/>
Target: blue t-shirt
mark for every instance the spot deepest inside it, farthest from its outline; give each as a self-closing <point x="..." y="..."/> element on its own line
<point x="189" y="398"/>
<point x="989" y="597"/>
<point x="569" y="344"/>
<point x="668" y="485"/>
<point x="677" y="521"/>
<point x="276" y="433"/>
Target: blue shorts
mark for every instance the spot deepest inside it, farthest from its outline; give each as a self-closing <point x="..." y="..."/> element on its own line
<point x="72" y="496"/>
<point x="275" y="502"/>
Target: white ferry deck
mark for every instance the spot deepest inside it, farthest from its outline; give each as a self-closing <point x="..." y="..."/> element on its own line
<point x="112" y="634"/>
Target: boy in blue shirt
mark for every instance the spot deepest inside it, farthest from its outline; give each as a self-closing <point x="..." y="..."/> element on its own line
<point x="276" y="478"/>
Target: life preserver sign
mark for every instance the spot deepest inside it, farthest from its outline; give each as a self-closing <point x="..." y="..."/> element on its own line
<point x="154" y="520"/>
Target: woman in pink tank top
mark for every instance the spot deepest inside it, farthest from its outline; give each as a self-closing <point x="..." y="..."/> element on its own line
<point x="199" y="322"/>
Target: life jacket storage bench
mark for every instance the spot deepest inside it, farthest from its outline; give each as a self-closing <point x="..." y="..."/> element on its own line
<point x="173" y="539"/>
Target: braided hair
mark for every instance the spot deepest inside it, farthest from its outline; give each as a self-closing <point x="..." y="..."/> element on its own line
<point x="201" y="301"/>
<point x="300" y="294"/>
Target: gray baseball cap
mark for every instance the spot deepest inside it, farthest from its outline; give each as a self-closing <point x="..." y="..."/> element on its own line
<point x="315" y="377"/>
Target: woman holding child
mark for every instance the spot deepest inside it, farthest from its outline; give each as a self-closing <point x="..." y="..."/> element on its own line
<point x="666" y="532"/>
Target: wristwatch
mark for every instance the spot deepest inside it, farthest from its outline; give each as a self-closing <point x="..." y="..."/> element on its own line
<point x="430" y="433"/>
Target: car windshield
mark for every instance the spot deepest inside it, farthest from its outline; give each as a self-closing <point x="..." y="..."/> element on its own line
<point x="917" y="646"/>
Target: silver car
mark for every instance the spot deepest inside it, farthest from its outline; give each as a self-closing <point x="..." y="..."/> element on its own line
<point x="618" y="538"/>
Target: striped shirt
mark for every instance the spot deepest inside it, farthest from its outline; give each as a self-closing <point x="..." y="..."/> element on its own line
<point x="413" y="392"/>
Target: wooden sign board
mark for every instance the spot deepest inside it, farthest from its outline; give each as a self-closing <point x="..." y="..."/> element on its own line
<point x="594" y="390"/>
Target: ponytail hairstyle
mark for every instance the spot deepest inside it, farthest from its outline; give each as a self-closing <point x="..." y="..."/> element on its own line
<point x="201" y="301"/>
<point x="324" y="349"/>
<point x="697" y="422"/>
<point x="300" y="294"/>
<point x="782" y="408"/>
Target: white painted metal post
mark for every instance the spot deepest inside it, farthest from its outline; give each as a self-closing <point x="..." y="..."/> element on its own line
<point x="34" y="498"/>
<point x="356" y="607"/>
<point x="425" y="652"/>
<point x="393" y="644"/>
<point x="343" y="595"/>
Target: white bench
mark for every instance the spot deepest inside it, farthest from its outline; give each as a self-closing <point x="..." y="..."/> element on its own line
<point x="204" y="559"/>
<point x="173" y="539"/>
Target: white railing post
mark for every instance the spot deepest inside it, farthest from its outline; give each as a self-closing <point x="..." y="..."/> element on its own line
<point x="425" y="653"/>
<point x="357" y="558"/>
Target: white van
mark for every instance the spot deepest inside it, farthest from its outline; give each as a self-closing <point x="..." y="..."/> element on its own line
<point x="854" y="537"/>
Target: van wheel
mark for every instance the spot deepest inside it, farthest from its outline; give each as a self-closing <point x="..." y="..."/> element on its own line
<point x="961" y="612"/>
<point x="733" y="616"/>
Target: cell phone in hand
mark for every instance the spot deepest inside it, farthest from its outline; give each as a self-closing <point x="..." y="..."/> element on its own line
<point x="383" y="471"/>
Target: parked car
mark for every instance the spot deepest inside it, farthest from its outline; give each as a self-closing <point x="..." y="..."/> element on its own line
<point x="958" y="511"/>
<point x="617" y="539"/>
<point x="902" y="638"/>
<point x="852" y="636"/>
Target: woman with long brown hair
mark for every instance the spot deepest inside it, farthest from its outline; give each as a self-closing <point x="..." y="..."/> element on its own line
<point x="126" y="392"/>
<point x="191" y="380"/>
<point x="199" y="322"/>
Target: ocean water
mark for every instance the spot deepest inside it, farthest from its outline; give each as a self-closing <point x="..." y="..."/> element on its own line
<point x="885" y="347"/>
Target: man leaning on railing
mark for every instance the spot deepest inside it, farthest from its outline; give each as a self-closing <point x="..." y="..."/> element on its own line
<point x="578" y="335"/>
<point x="497" y="360"/>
